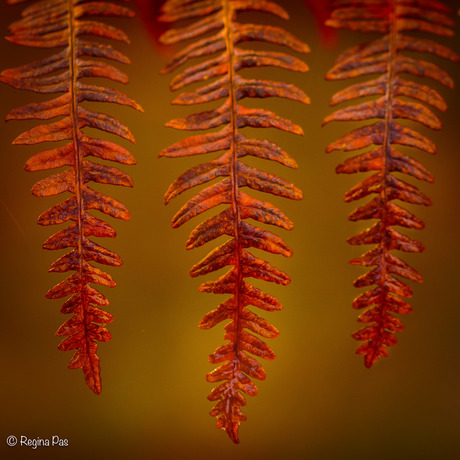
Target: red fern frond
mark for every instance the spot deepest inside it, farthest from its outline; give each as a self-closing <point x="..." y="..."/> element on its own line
<point x="393" y="18"/>
<point x="63" y="23"/>
<point x="218" y="17"/>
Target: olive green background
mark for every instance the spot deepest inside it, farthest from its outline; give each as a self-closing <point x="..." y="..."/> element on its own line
<point x="318" y="402"/>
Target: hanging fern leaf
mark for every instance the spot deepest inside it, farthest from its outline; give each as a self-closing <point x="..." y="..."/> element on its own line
<point x="218" y="17"/>
<point x="63" y="23"/>
<point x="397" y="98"/>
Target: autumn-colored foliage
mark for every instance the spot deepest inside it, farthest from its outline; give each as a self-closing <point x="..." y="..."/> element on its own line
<point x="222" y="41"/>
<point x="219" y="18"/>
<point x="63" y="23"/>
<point x="387" y="56"/>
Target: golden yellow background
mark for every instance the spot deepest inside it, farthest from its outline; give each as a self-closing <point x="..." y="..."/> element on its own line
<point x="318" y="402"/>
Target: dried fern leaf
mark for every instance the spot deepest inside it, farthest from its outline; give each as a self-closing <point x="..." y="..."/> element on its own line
<point x="217" y="32"/>
<point x="387" y="56"/>
<point x="63" y="23"/>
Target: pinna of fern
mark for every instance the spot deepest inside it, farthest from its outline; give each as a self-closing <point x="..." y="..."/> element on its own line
<point x="63" y="24"/>
<point x="396" y="98"/>
<point x="218" y="17"/>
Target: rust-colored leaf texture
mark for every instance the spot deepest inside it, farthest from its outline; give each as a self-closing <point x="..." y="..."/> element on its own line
<point x="64" y="24"/>
<point x="219" y="19"/>
<point x="396" y="98"/>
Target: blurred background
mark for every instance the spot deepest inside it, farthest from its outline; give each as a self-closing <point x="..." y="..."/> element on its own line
<point x="318" y="402"/>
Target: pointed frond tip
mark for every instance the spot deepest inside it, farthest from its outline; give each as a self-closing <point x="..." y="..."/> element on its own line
<point x="387" y="57"/>
<point x="59" y="23"/>
<point x="217" y="35"/>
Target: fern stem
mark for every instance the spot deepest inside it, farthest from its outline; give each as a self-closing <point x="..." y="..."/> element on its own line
<point x="392" y="50"/>
<point x="228" y="14"/>
<point x="92" y="379"/>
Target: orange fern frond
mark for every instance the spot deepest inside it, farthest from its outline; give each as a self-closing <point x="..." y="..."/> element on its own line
<point x="63" y="23"/>
<point x="397" y="98"/>
<point x="218" y="17"/>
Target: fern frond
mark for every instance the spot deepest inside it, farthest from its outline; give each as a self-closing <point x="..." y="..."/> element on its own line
<point x="63" y="23"/>
<point x="216" y="20"/>
<point x="396" y="98"/>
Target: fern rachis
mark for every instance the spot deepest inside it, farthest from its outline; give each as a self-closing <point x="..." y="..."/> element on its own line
<point x="219" y="19"/>
<point x="62" y="23"/>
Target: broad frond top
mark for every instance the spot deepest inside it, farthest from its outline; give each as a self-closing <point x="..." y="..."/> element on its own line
<point x="67" y="24"/>
<point x="395" y="98"/>
<point x="217" y="34"/>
